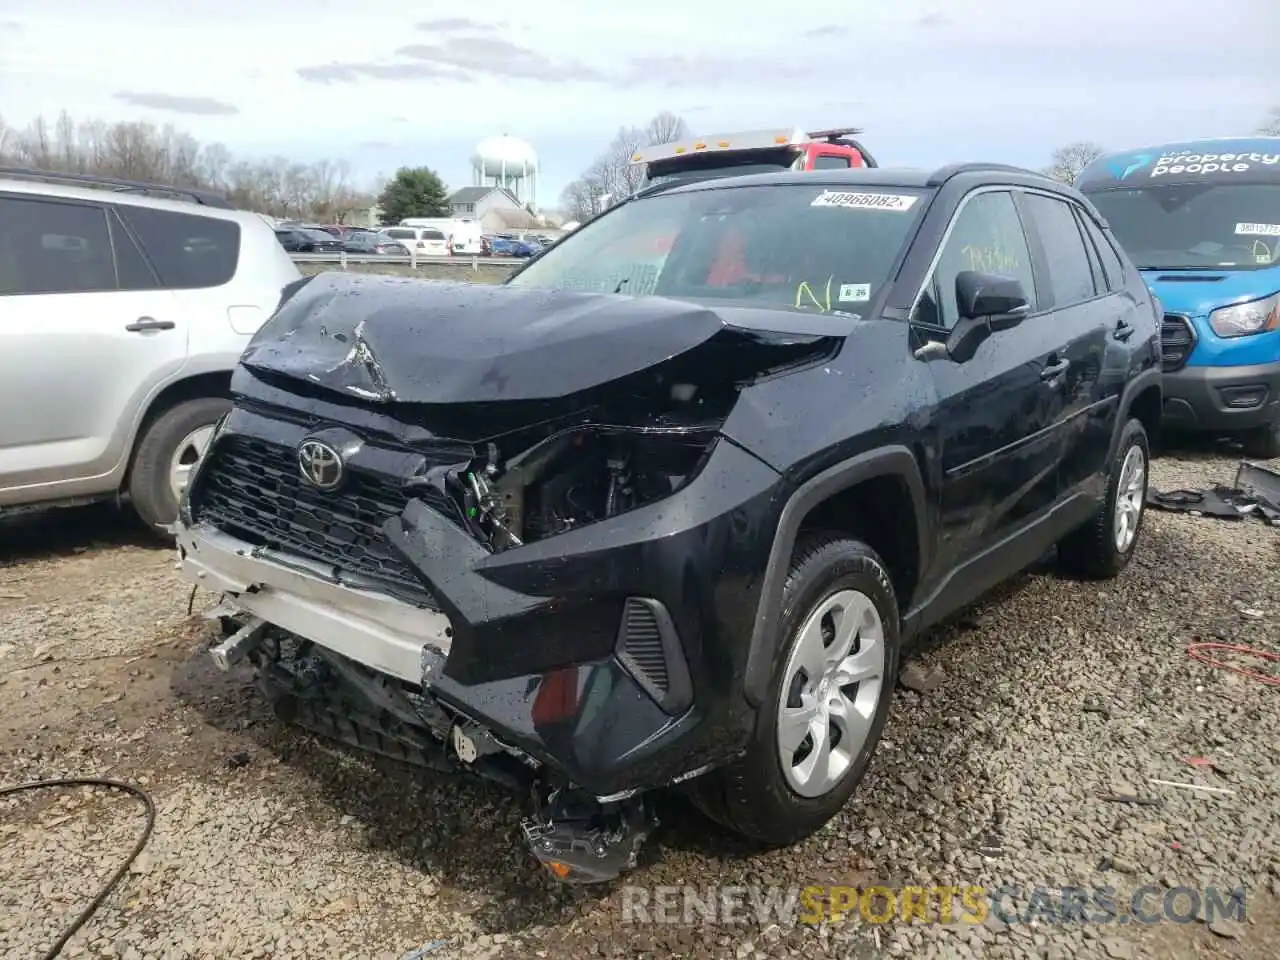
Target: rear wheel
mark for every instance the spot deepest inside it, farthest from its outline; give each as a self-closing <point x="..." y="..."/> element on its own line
<point x="168" y="454"/>
<point x="1103" y="547"/>
<point x="828" y="700"/>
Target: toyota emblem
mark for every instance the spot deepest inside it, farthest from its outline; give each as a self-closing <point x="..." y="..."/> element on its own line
<point x="320" y="464"/>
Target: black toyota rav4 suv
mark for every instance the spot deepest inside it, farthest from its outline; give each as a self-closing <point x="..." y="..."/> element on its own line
<point x="666" y="506"/>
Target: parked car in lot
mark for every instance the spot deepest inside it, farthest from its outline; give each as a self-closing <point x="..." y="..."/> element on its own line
<point x="504" y="245"/>
<point x="1202" y="220"/>
<point x="425" y="241"/>
<point x="302" y="240"/>
<point x="620" y="524"/>
<point x="125" y="307"/>
<point x="374" y="243"/>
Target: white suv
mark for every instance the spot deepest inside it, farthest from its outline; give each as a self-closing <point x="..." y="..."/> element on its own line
<point x="122" y="316"/>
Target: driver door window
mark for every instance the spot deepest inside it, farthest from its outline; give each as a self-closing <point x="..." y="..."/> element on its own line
<point x="986" y="236"/>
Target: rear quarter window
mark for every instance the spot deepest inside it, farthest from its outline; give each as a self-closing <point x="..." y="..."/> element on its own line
<point x="188" y="252"/>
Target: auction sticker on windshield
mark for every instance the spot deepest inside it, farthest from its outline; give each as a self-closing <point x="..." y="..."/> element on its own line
<point x="864" y="201"/>
<point x="1258" y="229"/>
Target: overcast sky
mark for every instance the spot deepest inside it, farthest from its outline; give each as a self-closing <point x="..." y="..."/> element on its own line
<point x="385" y="83"/>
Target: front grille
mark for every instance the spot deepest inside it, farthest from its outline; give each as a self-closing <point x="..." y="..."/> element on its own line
<point x="251" y="489"/>
<point x="1177" y="340"/>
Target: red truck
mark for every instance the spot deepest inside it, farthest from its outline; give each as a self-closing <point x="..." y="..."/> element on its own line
<point x="751" y="151"/>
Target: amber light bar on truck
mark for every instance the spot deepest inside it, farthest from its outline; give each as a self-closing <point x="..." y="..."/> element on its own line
<point x="743" y="140"/>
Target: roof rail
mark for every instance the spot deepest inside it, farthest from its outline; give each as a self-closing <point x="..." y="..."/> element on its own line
<point x="204" y="197"/>
<point x="943" y="174"/>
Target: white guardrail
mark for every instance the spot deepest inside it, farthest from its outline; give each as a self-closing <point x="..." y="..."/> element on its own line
<point x="344" y="260"/>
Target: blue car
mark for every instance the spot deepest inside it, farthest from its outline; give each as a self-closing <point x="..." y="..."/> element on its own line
<point x="1202" y="222"/>
<point x="512" y="247"/>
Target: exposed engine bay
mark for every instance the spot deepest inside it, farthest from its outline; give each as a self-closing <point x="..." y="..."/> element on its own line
<point x="572" y="479"/>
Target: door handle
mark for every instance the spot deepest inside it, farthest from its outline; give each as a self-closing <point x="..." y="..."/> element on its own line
<point x="142" y="324"/>
<point x="1123" y="331"/>
<point x="1055" y="369"/>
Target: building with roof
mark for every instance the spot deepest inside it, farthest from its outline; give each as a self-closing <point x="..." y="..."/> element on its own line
<point x="497" y="209"/>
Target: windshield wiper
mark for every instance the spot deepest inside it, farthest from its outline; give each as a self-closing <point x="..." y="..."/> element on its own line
<point x="621" y="283"/>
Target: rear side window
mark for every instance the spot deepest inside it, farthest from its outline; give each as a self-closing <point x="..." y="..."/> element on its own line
<point x="399" y="234"/>
<point x="1111" y="263"/>
<point x="827" y="161"/>
<point x="1066" y="261"/>
<point x="54" y="247"/>
<point x="189" y="252"/>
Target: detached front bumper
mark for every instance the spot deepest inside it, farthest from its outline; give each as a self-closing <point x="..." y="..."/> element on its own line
<point x="296" y="595"/>
<point x="1226" y="399"/>
<point x="613" y="654"/>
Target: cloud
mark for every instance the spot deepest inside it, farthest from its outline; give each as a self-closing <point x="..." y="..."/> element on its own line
<point x="197" y="106"/>
<point x="10" y="26"/>
<point x="456" y="25"/>
<point x="337" y="72"/>
<point x="828" y="31"/>
<point x="495" y="57"/>
<point x="933" y="19"/>
<point x="711" y="71"/>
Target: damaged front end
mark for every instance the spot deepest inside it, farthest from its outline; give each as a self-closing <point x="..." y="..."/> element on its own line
<point x="497" y="530"/>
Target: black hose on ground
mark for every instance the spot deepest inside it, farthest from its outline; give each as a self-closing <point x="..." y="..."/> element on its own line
<point x="110" y="885"/>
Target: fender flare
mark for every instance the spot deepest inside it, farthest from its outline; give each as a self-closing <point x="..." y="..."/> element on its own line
<point x="894" y="461"/>
<point x="1152" y="376"/>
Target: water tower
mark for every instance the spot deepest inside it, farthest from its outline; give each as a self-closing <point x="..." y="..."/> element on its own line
<point x="507" y="162"/>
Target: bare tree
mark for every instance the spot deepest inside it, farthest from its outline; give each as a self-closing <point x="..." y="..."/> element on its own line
<point x="1067" y="162"/>
<point x="666" y="127"/>
<point x="143" y="151"/>
<point x="582" y="198"/>
<point x="1270" y="128"/>
<point x="612" y="174"/>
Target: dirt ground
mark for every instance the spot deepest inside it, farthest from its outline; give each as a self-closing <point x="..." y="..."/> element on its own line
<point x="270" y="843"/>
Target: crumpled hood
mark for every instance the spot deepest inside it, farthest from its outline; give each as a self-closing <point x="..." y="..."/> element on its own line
<point x="414" y="341"/>
<point x="1197" y="293"/>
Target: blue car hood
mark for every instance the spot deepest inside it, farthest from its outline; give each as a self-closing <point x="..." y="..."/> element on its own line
<point x="1197" y="293"/>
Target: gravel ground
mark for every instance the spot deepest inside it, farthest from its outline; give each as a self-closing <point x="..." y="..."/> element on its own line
<point x="272" y="844"/>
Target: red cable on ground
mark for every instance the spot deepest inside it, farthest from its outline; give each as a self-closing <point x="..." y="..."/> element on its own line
<point x="1270" y="679"/>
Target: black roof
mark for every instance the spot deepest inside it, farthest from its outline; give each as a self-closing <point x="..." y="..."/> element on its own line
<point x="909" y="177"/>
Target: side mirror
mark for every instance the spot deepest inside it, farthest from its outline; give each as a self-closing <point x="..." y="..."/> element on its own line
<point x="988" y="303"/>
<point x="987" y="295"/>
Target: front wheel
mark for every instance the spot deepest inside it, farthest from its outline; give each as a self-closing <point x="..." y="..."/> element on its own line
<point x="167" y="455"/>
<point x="1264" y="442"/>
<point x="1103" y="547"/>
<point x="828" y="701"/>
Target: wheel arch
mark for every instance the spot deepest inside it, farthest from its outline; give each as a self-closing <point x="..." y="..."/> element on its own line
<point x="208" y="383"/>
<point x="1143" y="398"/>
<point x="894" y="464"/>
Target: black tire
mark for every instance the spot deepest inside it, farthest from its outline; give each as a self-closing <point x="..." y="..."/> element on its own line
<point x="1262" y="443"/>
<point x="751" y="796"/>
<point x="1091" y="551"/>
<point x="149" y="489"/>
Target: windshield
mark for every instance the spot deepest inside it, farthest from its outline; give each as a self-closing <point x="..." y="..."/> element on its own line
<point x="800" y="247"/>
<point x="1233" y="226"/>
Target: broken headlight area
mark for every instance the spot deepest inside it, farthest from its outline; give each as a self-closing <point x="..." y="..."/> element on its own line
<point x="571" y="479"/>
<point x="603" y="452"/>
